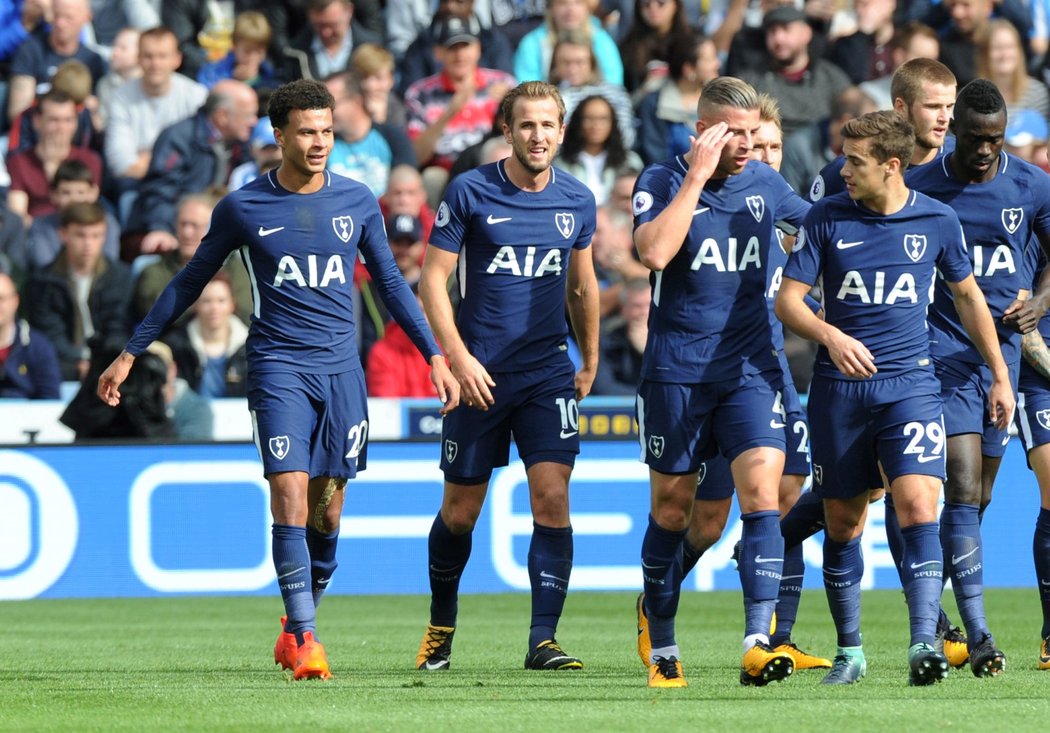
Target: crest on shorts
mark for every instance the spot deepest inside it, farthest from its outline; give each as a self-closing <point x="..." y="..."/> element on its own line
<point x="451" y="450"/>
<point x="1043" y="417"/>
<point x="757" y="206"/>
<point x="279" y="445"/>
<point x="818" y="474"/>
<point x="1012" y="219"/>
<point x="915" y="246"/>
<point x="343" y="226"/>
<point x="656" y="445"/>
<point x="565" y="222"/>
<point x="702" y="474"/>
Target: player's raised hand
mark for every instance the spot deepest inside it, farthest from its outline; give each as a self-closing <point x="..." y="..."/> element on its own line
<point x="851" y="356"/>
<point x="111" y="379"/>
<point x="474" y="381"/>
<point x="446" y="385"/>
<point x="1022" y="316"/>
<point x="1001" y="403"/>
<point x="706" y="149"/>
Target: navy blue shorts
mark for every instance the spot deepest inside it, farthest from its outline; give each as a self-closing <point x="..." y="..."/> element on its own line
<point x="682" y="425"/>
<point x="537" y="407"/>
<point x="856" y="425"/>
<point x="964" y="390"/>
<point x="714" y="481"/>
<point x="1033" y="408"/>
<point x="317" y="423"/>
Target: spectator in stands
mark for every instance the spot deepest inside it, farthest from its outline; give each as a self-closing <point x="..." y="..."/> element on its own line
<point x="736" y="28"/>
<point x="614" y="259"/>
<point x="574" y="69"/>
<point x="123" y="67"/>
<point x="593" y="149"/>
<point x="867" y="53"/>
<point x="1026" y="137"/>
<point x="73" y="183"/>
<point x="912" y="40"/>
<point x="470" y="158"/>
<point x="658" y="27"/>
<point x="209" y="350"/>
<point x="74" y="79"/>
<point x="622" y="342"/>
<point x="450" y="111"/>
<point x="55" y="124"/>
<point x="189" y="412"/>
<point x="622" y="195"/>
<point x="323" y="47"/>
<point x="969" y="18"/>
<point x="803" y="85"/>
<point x="247" y="60"/>
<point x="374" y="66"/>
<point x="191" y="224"/>
<point x="38" y="57"/>
<point x="494" y="150"/>
<point x="405" y="194"/>
<point x="192" y="156"/>
<point x="28" y="364"/>
<point x="421" y="58"/>
<point x="109" y="18"/>
<point x="18" y="19"/>
<point x="363" y="150"/>
<point x="532" y="58"/>
<point x="394" y="367"/>
<point x="137" y="111"/>
<point x="1000" y="59"/>
<point x="12" y="244"/>
<point x="667" y="116"/>
<point x="82" y="294"/>
<point x="266" y="155"/>
<point x="202" y="30"/>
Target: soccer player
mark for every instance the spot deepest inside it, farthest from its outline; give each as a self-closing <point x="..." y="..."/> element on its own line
<point x="875" y="407"/>
<point x="519" y="232"/>
<point x="299" y="229"/>
<point x="714" y="490"/>
<point x="711" y="379"/>
<point x="1003" y="203"/>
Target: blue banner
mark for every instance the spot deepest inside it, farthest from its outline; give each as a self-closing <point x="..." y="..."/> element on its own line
<point x="79" y="521"/>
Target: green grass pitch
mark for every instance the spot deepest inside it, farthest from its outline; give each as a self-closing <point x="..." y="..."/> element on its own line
<point x="205" y="664"/>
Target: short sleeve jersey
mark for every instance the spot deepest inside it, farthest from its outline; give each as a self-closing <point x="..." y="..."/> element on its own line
<point x="1000" y="218"/>
<point x="514" y="248"/>
<point x="709" y="319"/>
<point x="299" y="251"/>
<point x="878" y="273"/>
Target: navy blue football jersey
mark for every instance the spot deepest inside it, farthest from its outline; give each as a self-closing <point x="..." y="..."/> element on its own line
<point x="829" y="181"/>
<point x="709" y="319"/>
<point x="299" y="251"/>
<point x="999" y="218"/>
<point x="514" y="248"/>
<point x="878" y="273"/>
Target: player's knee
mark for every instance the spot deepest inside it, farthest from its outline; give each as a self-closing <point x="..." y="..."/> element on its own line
<point x="672" y="517"/>
<point x="460" y="517"/>
<point x="959" y="490"/>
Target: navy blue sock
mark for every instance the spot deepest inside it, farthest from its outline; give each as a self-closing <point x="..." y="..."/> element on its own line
<point x="804" y="520"/>
<point x="843" y="571"/>
<point x="322" y="560"/>
<point x="790" y="595"/>
<point x="1041" y="553"/>
<point x="661" y="580"/>
<point x="291" y="560"/>
<point x="964" y="564"/>
<point x="922" y="570"/>
<point x="448" y="555"/>
<point x="761" y="567"/>
<point x="550" y="565"/>
<point x="894" y="538"/>
<point x="690" y="557"/>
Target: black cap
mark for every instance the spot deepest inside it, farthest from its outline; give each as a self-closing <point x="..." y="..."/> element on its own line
<point x="454" y="29"/>
<point x="782" y="16"/>
<point x="404" y="226"/>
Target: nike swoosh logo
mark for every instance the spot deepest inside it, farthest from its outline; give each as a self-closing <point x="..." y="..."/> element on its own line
<point x="956" y="560"/>
<point x="776" y="425"/>
<point x="830" y="571"/>
<point x="569" y="434"/>
<point x="701" y="211"/>
<point x="791" y="577"/>
<point x="268" y="232"/>
<point x="291" y="572"/>
<point x="915" y="566"/>
<point x="759" y="558"/>
<point x="653" y="567"/>
<point x="846" y="245"/>
<point x="493" y="220"/>
<point x="1043" y="582"/>
<point x="545" y="574"/>
<point x="435" y="665"/>
<point x="926" y="459"/>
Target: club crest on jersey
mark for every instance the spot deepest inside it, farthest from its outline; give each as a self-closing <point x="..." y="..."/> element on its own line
<point x="565" y="222"/>
<point x="451" y="450"/>
<point x="279" y="445"/>
<point x="915" y="246"/>
<point x="818" y="473"/>
<point x="656" y="445"/>
<point x="757" y="206"/>
<point x="1043" y="417"/>
<point x="343" y="226"/>
<point x="1012" y="219"/>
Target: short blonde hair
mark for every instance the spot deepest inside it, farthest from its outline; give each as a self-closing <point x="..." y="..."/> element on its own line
<point x="369" y="59"/>
<point x="769" y="110"/>
<point x="73" y="78"/>
<point x="251" y="26"/>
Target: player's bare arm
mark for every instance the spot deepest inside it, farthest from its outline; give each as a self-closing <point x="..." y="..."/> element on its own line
<point x="977" y="320"/>
<point x="582" y="300"/>
<point x="474" y="381"/>
<point x="1024" y="315"/>
<point x="110" y="380"/>
<point x="850" y="356"/>
<point x="659" y="240"/>
<point x="1036" y="353"/>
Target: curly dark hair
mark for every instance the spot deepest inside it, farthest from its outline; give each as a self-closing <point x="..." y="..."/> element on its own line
<point x="300" y="94"/>
<point x="574" y="144"/>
